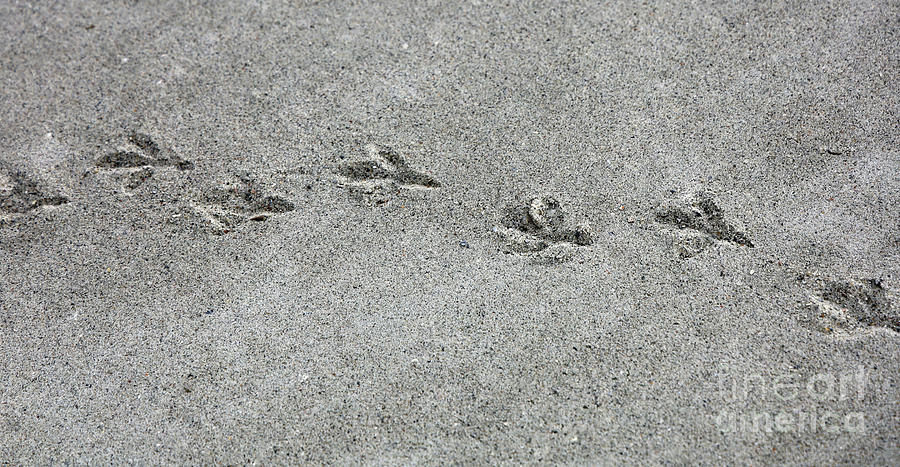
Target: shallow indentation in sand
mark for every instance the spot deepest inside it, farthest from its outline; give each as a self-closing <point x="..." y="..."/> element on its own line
<point x="846" y="306"/>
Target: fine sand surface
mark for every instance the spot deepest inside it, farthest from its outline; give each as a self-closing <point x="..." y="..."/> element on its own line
<point x="449" y="232"/>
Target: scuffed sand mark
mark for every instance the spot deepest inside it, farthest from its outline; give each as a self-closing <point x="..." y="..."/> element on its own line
<point x="542" y="229"/>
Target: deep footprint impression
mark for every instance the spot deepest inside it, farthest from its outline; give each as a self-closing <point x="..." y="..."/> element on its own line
<point x="541" y="227"/>
<point x="231" y="204"/>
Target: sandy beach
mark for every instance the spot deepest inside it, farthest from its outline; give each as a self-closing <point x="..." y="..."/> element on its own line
<point x="476" y="232"/>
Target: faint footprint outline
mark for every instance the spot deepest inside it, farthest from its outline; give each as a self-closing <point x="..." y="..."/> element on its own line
<point x="847" y="306"/>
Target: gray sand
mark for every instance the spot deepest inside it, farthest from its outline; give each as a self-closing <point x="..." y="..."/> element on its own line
<point x="467" y="232"/>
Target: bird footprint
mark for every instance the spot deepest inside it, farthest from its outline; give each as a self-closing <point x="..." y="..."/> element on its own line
<point x="20" y="194"/>
<point x="847" y="306"/>
<point x="702" y="222"/>
<point x="139" y="156"/>
<point x="384" y="170"/>
<point x="231" y="204"/>
<point x="541" y="227"/>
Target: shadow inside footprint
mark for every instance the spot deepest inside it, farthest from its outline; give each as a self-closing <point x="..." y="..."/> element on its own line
<point x="364" y="170"/>
<point x="123" y="159"/>
<point x="20" y="194"/>
<point x="706" y="217"/>
<point x="144" y="143"/>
